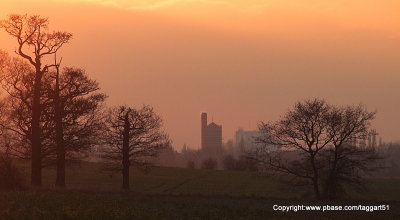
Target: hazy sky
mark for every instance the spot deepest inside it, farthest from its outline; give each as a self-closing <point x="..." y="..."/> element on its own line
<point x="241" y="61"/>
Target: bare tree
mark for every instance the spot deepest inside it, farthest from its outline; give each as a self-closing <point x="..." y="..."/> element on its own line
<point x="17" y="80"/>
<point x="132" y="136"/>
<point x="302" y="129"/>
<point x="10" y="177"/>
<point x="316" y="144"/>
<point x="33" y="37"/>
<point x="345" y="162"/>
<point x="77" y="115"/>
<point x="71" y="113"/>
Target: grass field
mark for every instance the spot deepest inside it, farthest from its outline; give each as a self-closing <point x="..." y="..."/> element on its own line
<point x="177" y="193"/>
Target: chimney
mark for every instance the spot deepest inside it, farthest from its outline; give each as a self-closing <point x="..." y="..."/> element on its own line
<point x="203" y="128"/>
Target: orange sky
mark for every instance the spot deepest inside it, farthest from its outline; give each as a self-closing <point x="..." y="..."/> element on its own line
<point x="241" y="61"/>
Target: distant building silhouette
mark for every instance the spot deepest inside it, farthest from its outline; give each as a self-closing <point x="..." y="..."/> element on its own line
<point x="246" y="141"/>
<point x="211" y="135"/>
<point x="369" y="141"/>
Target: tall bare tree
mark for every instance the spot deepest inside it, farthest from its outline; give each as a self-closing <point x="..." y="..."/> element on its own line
<point x="132" y="136"/>
<point x="71" y="113"/>
<point x="77" y="114"/>
<point x="33" y="37"/>
<point x="17" y="80"/>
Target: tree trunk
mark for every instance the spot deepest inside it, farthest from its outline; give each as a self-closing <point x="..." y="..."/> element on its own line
<point x="316" y="188"/>
<point x="60" y="179"/>
<point x="315" y="177"/>
<point x="36" y="174"/>
<point x="331" y="184"/>
<point x="125" y="154"/>
<point x="125" y="176"/>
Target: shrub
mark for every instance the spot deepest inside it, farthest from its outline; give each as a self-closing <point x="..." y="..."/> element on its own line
<point x="10" y="177"/>
<point x="242" y="163"/>
<point x="210" y="164"/>
<point x="191" y="164"/>
<point x="230" y="163"/>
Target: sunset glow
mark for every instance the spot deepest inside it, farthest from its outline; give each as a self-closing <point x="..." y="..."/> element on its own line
<point x="241" y="61"/>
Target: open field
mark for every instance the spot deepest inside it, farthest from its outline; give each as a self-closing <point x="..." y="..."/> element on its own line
<point x="176" y="193"/>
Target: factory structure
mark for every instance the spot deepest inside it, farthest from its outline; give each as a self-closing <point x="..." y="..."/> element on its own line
<point x="369" y="141"/>
<point x="211" y="136"/>
<point x="211" y="139"/>
<point x="246" y="141"/>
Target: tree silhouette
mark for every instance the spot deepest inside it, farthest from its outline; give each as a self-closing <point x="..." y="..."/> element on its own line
<point x="303" y="129"/>
<point x="71" y="113"/>
<point x="345" y="162"/>
<point x="132" y="136"/>
<point x="321" y="136"/>
<point x="76" y="112"/>
<point x="17" y="80"/>
<point x="33" y="37"/>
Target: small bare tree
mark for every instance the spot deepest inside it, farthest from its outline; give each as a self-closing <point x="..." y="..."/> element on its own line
<point x="34" y="43"/>
<point x="10" y="177"/>
<point x="132" y="136"/>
